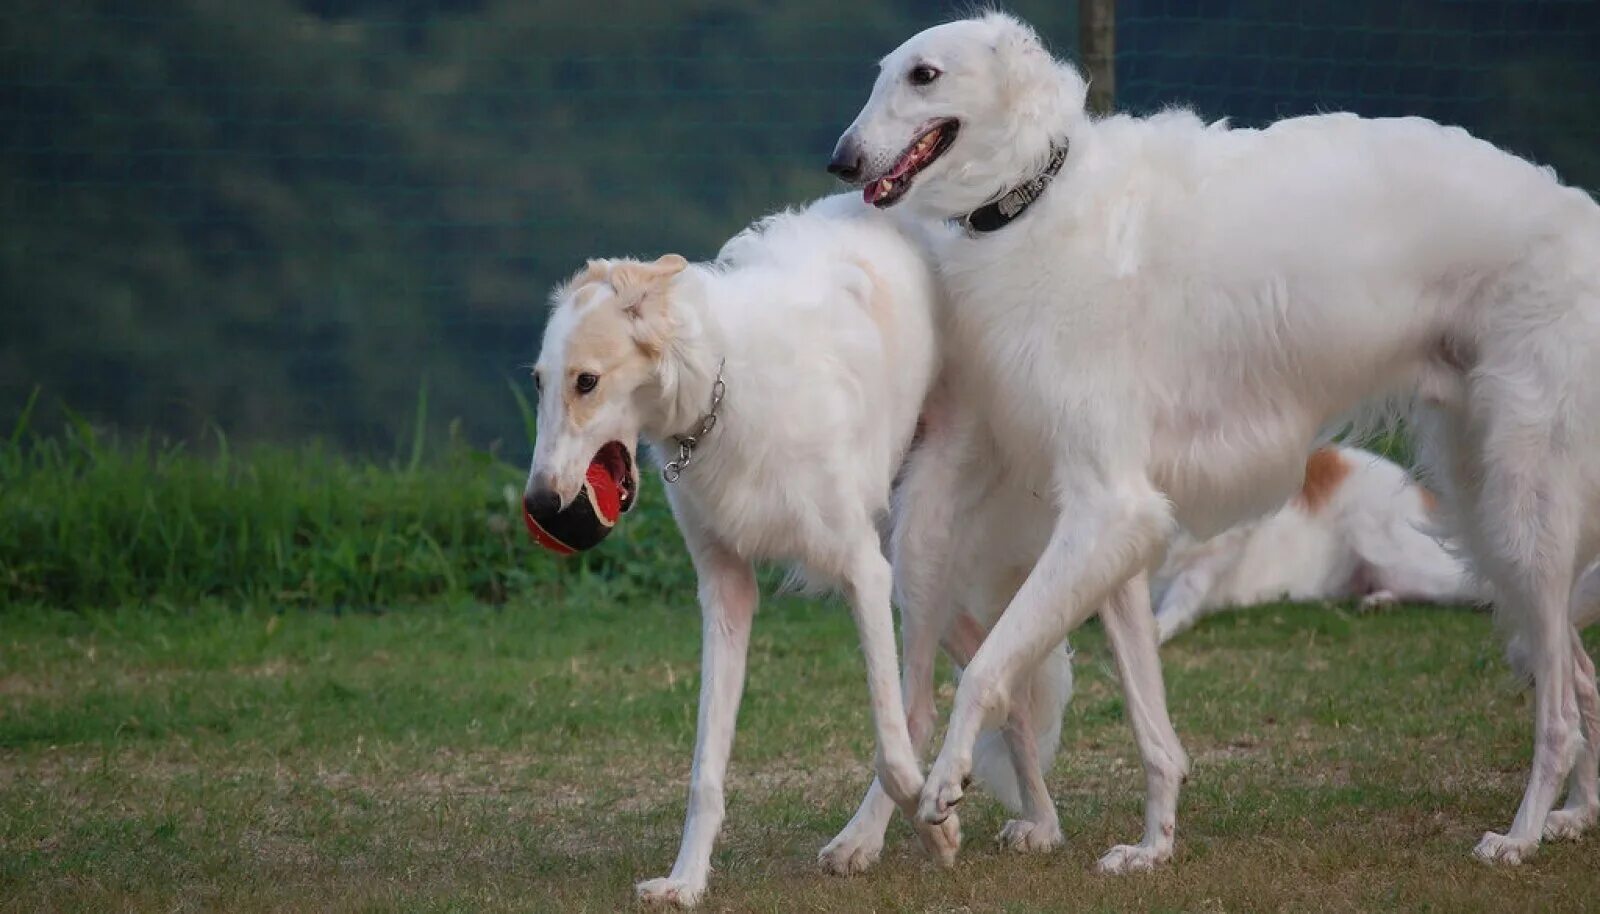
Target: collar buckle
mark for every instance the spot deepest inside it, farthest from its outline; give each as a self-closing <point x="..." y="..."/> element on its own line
<point x="1000" y="212"/>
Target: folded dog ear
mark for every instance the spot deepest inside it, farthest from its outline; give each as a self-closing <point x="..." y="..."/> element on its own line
<point x="1035" y="84"/>
<point x="593" y="271"/>
<point x="669" y="264"/>
<point x="631" y="274"/>
<point x="644" y="292"/>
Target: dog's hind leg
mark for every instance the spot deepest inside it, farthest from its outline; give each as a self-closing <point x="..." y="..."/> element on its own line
<point x="1582" y="807"/>
<point x="728" y="596"/>
<point x="1525" y="538"/>
<point x="1131" y="631"/>
<point x="1018" y="779"/>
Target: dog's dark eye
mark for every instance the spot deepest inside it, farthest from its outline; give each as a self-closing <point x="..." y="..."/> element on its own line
<point x="922" y="74"/>
<point x="586" y="382"/>
<point x="538" y="382"/>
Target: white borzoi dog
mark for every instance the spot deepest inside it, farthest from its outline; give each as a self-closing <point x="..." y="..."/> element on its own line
<point x="1157" y="318"/>
<point x="1359" y="528"/>
<point x="784" y="380"/>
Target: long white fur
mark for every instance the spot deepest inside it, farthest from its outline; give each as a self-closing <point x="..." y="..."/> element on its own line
<point x="949" y="491"/>
<point x="1371" y="536"/>
<point x="1163" y="336"/>
<point x="826" y="321"/>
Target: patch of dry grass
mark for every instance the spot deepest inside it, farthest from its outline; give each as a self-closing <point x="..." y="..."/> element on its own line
<point x="535" y="758"/>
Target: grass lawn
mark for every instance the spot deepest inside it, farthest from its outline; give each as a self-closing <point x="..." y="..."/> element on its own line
<point x="534" y="757"/>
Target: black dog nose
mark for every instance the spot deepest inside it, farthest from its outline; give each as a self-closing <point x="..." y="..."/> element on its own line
<point x="846" y="161"/>
<point x="542" y="502"/>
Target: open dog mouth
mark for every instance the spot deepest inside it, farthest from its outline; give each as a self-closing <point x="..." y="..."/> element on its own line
<point x="929" y="145"/>
<point x="617" y="461"/>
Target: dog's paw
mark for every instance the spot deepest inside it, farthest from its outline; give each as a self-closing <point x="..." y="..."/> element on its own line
<point x="1166" y="629"/>
<point x="1028" y="837"/>
<point x="1570" y="824"/>
<point x="1497" y="848"/>
<point x="677" y="892"/>
<point x="850" y="853"/>
<point x="942" y="839"/>
<point x="941" y="793"/>
<point x="1132" y="858"/>
<point x="1378" y="599"/>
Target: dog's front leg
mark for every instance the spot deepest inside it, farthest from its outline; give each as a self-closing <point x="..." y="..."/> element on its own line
<point x="867" y="586"/>
<point x="923" y="547"/>
<point x="1109" y="535"/>
<point x="727" y="604"/>
<point x="858" y="845"/>
<point x="1132" y="634"/>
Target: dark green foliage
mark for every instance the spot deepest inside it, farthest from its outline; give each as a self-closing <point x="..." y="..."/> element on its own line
<point x="280" y="216"/>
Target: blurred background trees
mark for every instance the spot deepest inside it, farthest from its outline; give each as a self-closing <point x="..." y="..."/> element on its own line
<point x="283" y="217"/>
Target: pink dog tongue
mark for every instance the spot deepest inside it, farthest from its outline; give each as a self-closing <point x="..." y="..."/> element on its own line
<point x="874" y="191"/>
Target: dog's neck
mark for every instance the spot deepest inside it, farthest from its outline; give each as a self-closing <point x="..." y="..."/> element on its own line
<point x="1008" y="206"/>
<point x="688" y="367"/>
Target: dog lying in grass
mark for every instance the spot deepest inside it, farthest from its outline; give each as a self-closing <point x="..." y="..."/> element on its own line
<point x="1359" y="528"/>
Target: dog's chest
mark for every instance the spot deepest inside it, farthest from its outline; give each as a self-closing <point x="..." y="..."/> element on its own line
<point x="1027" y="341"/>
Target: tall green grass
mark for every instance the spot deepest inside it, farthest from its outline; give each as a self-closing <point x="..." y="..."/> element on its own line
<point x="87" y="520"/>
<point x="91" y="520"/>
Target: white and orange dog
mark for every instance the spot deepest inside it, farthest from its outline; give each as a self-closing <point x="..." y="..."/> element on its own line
<point x="1156" y="318"/>
<point x="784" y="382"/>
<point x="1359" y="528"/>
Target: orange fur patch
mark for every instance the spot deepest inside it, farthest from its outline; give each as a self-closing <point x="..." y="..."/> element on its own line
<point x="631" y="274"/>
<point x="879" y="306"/>
<point x="1430" y="501"/>
<point x="1326" y="470"/>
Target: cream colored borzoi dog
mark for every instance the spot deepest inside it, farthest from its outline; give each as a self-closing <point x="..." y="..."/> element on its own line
<point x="811" y="341"/>
<point x="1161" y="336"/>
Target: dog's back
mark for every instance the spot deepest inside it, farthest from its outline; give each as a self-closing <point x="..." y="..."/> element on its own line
<point x="828" y="314"/>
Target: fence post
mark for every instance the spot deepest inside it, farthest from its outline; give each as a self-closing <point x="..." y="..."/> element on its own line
<point x="1097" y="45"/>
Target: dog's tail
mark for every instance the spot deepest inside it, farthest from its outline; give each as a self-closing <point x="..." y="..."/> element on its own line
<point x="1050" y="688"/>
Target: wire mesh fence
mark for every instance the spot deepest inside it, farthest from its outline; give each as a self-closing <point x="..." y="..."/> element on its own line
<point x="287" y="218"/>
<point x="1524" y="74"/>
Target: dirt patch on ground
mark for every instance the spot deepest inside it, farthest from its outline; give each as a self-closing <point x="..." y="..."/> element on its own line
<point x="19" y="686"/>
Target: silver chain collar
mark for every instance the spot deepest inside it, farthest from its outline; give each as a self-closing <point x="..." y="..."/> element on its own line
<point x="673" y="469"/>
